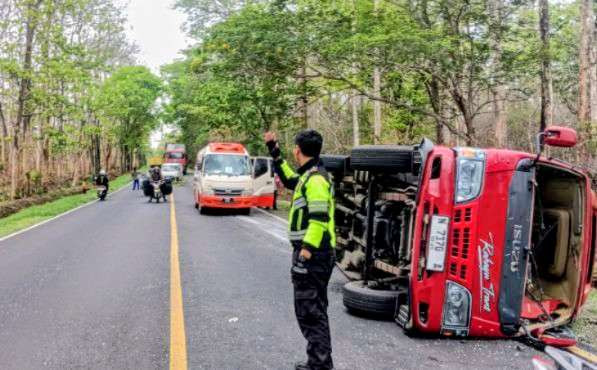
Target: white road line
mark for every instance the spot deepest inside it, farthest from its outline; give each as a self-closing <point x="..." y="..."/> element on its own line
<point x="57" y="216"/>
<point x="249" y="220"/>
<point x="272" y="215"/>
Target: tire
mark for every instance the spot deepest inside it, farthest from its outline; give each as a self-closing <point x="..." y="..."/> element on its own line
<point x="382" y="158"/>
<point x="335" y="163"/>
<point x="361" y="299"/>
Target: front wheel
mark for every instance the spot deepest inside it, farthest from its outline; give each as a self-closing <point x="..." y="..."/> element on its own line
<point x="359" y="298"/>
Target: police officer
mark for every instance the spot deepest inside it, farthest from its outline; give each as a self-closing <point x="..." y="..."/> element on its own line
<point x="312" y="234"/>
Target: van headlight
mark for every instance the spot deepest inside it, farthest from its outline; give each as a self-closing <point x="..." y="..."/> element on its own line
<point x="469" y="173"/>
<point x="457" y="308"/>
<point x="247" y="192"/>
<point x="208" y="190"/>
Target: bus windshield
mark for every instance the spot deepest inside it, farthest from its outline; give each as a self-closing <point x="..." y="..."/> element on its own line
<point x="226" y="164"/>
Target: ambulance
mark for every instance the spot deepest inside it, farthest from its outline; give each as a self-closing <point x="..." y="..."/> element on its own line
<point x="226" y="176"/>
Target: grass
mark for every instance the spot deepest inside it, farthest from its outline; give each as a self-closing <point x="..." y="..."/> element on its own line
<point x="585" y="326"/>
<point x="36" y="214"/>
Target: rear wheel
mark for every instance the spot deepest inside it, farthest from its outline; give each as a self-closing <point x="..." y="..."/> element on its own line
<point x="382" y="158"/>
<point x="361" y="299"/>
<point x="337" y="164"/>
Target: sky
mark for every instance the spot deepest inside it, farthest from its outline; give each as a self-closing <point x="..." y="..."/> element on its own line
<point x="156" y="28"/>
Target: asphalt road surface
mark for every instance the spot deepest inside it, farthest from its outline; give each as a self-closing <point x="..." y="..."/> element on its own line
<point x="93" y="290"/>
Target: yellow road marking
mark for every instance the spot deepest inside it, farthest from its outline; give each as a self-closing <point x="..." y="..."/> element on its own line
<point x="178" y="343"/>
<point x="582" y="353"/>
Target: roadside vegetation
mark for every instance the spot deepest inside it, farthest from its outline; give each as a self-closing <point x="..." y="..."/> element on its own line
<point x="72" y="100"/>
<point x="586" y="325"/>
<point x="36" y="214"/>
<point x="482" y="73"/>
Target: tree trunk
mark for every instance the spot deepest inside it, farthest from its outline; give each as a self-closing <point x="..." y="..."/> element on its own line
<point x="546" y="96"/>
<point x="498" y="90"/>
<point x="304" y="99"/>
<point x="23" y="112"/>
<point x="354" y="107"/>
<point x="354" y="104"/>
<point x="587" y="79"/>
<point x="433" y="91"/>
<point x="376" y="93"/>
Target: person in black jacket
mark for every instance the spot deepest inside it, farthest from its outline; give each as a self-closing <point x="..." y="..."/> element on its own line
<point x="102" y="180"/>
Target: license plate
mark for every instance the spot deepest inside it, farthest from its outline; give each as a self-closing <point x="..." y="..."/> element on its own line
<point x="228" y="200"/>
<point x="438" y="240"/>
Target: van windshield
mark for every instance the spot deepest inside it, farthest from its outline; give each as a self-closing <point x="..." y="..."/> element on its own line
<point x="226" y="164"/>
<point x="175" y="155"/>
<point x="169" y="167"/>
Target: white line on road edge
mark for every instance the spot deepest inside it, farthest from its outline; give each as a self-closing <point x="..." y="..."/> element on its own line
<point x="58" y="216"/>
<point x="249" y="220"/>
<point x="272" y="215"/>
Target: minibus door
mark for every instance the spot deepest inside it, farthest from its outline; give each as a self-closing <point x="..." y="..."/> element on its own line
<point x="263" y="182"/>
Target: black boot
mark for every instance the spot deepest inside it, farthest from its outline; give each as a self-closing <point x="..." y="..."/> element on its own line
<point x="303" y="365"/>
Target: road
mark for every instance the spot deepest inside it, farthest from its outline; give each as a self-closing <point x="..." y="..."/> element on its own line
<point x="92" y="290"/>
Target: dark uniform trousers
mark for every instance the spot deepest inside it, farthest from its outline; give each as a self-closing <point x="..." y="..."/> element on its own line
<point x="311" y="304"/>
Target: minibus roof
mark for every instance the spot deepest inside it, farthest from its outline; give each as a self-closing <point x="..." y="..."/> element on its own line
<point x="231" y="148"/>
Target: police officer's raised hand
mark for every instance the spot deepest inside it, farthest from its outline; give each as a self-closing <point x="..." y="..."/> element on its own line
<point x="272" y="144"/>
<point x="269" y="136"/>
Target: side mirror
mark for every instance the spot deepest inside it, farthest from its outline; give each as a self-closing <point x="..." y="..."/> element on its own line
<point x="559" y="136"/>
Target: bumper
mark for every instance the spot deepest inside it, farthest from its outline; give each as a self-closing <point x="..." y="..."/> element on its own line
<point x="216" y="201"/>
<point x="264" y="200"/>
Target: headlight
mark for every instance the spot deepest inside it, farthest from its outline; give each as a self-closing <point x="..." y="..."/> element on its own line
<point x="457" y="308"/>
<point x="247" y="192"/>
<point x="207" y="190"/>
<point x="469" y="173"/>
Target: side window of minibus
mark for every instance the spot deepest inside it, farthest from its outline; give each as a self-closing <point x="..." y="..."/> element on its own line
<point x="260" y="167"/>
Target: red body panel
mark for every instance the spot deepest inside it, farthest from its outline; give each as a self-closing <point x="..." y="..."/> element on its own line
<point x="435" y="197"/>
<point x="264" y="200"/>
<point x="476" y="235"/>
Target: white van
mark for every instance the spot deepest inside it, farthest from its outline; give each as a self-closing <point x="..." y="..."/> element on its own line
<point x="171" y="171"/>
<point x="227" y="177"/>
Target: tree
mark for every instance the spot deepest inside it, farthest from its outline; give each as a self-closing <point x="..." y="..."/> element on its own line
<point x="546" y="82"/>
<point x="129" y="97"/>
<point x="53" y="56"/>
<point x="587" y="76"/>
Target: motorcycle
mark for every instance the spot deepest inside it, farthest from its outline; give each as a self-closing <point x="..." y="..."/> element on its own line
<point x="102" y="191"/>
<point x="156" y="191"/>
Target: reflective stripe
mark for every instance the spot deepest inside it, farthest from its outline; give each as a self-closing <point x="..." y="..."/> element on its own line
<point x="299" y="202"/>
<point x="296" y="235"/>
<point x="287" y="170"/>
<point x="318" y="209"/>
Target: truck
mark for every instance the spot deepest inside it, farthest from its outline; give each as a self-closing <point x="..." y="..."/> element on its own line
<point x="226" y="176"/>
<point x="466" y="241"/>
<point x="176" y="153"/>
